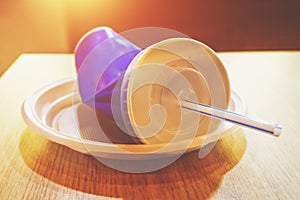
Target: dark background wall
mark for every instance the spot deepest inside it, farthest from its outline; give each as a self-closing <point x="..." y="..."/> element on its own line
<point x="225" y="25"/>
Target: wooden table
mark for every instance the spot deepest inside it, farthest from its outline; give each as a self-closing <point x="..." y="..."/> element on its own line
<point x="244" y="165"/>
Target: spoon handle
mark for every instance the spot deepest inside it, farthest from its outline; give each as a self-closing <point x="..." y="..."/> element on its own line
<point x="259" y="125"/>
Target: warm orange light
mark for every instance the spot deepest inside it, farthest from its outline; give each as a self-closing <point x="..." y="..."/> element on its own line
<point x="92" y="7"/>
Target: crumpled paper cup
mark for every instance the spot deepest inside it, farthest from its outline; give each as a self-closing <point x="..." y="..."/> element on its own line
<point x="140" y="91"/>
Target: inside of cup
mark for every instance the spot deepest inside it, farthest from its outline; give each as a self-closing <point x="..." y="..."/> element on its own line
<point x="162" y="76"/>
<point x="156" y="112"/>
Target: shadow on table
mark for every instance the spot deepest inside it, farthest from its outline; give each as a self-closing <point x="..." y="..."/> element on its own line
<point x="198" y="178"/>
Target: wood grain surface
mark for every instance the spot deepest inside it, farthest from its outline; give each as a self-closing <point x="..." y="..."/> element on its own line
<point x="243" y="165"/>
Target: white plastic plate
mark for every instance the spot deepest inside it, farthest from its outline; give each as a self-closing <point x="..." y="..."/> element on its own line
<point x="52" y="112"/>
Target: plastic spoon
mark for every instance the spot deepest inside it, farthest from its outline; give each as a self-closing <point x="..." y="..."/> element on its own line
<point x="259" y="125"/>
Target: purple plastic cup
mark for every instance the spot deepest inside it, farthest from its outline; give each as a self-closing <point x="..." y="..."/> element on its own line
<point x="102" y="57"/>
